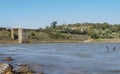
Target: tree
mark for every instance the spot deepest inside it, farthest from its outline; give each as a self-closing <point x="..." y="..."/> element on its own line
<point x="53" y="24"/>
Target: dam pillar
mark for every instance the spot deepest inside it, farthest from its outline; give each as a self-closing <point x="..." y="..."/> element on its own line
<point x="12" y="33"/>
<point x="20" y="35"/>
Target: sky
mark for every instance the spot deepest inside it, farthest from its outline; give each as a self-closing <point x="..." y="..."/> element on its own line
<point x="40" y="13"/>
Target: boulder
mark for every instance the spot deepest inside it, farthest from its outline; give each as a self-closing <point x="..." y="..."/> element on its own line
<point x="24" y="69"/>
<point x="40" y="73"/>
<point x="9" y="59"/>
<point x="5" y="68"/>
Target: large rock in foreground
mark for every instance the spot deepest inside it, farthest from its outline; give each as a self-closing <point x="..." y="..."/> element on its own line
<point x="5" y="68"/>
<point x="22" y="69"/>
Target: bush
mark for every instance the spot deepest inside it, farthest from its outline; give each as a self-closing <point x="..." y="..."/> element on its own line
<point x="55" y="35"/>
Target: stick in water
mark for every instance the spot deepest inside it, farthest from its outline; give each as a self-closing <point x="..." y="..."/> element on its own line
<point x="107" y="48"/>
<point x="114" y="48"/>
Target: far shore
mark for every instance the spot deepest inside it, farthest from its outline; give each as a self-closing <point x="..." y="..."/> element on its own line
<point x="63" y="41"/>
<point x="103" y="40"/>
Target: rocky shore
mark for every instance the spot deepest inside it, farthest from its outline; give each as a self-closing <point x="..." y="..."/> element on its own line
<point x="19" y="68"/>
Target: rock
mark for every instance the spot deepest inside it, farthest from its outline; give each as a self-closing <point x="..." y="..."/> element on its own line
<point x="24" y="69"/>
<point x="9" y="73"/>
<point x="19" y="64"/>
<point x="40" y="73"/>
<point x="9" y="59"/>
<point x="5" y="68"/>
<point x="30" y="73"/>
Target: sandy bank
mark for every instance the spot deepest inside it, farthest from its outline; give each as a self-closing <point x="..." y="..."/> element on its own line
<point x="64" y="41"/>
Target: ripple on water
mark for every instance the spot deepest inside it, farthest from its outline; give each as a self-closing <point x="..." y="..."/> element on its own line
<point x="66" y="58"/>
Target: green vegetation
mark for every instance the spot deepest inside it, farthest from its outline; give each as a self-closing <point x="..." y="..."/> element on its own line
<point x="53" y="24"/>
<point x="77" y="31"/>
<point x="94" y="30"/>
<point x="4" y="34"/>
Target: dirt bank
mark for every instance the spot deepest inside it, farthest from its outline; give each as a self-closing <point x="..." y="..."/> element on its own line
<point x="63" y="41"/>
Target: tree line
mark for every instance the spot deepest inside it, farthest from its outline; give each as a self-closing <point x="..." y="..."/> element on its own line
<point x="94" y="30"/>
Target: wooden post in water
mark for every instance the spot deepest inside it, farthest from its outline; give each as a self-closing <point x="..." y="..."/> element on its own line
<point x="20" y="36"/>
<point x="12" y="33"/>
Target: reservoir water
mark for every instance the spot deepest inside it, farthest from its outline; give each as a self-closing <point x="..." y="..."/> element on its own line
<point x="65" y="58"/>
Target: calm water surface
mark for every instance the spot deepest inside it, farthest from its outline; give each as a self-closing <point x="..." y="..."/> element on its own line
<point x="65" y="58"/>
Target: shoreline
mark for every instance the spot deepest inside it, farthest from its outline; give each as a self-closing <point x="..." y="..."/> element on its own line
<point x="103" y="40"/>
<point x="63" y="41"/>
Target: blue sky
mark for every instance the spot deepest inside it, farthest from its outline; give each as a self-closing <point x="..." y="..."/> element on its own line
<point x="40" y="13"/>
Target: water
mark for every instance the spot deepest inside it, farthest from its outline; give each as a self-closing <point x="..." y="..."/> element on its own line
<point x="65" y="58"/>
